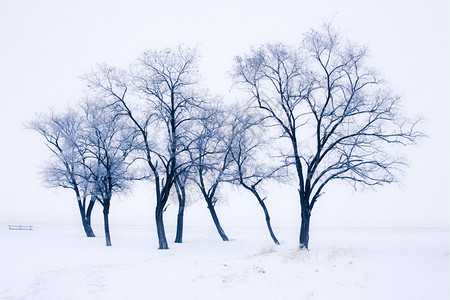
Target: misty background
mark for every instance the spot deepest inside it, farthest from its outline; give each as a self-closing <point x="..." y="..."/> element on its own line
<point x="46" y="45"/>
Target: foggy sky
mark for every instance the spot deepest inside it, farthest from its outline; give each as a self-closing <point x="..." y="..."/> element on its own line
<point x="46" y="45"/>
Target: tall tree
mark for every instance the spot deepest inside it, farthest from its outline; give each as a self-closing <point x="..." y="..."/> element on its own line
<point x="211" y="155"/>
<point x="340" y="119"/>
<point x="62" y="134"/>
<point x="164" y="86"/>
<point x="109" y="145"/>
<point x="252" y="164"/>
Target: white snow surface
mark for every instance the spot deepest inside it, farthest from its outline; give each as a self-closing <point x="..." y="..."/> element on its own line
<point x="58" y="262"/>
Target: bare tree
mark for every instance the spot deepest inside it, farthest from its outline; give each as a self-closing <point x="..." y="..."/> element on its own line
<point x="62" y="134"/>
<point x="180" y="184"/>
<point x="165" y="94"/>
<point x="211" y="154"/>
<point x="253" y="165"/>
<point x="340" y="120"/>
<point x="109" y="144"/>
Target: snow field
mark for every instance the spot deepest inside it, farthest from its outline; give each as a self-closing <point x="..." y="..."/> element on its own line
<point x="58" y="262"/>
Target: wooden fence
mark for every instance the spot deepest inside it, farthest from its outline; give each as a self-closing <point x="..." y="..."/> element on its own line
<point x="20" y="227"/>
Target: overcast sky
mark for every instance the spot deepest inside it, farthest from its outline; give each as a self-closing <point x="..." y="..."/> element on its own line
<point x="46" y="45"/>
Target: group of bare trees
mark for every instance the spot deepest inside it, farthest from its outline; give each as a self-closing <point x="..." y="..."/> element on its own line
<point x="92" y="156"/>
<point x="330" y="116"/>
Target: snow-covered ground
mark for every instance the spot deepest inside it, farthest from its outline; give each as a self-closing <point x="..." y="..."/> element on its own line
<point x="58" y="262"/>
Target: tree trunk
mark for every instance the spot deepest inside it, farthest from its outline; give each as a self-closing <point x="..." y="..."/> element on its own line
<point x="266" y="212"/>
<point x="90" y="232"/>
<point x="180" y="217"/>
<point x="304" y="229"/>
<point x="86" y="222"/>
<point x="216" y="221"/>
<point x="88" y="228"/>
<point x="106" y="222"/>
<point x="160" y="227"/>
<point x="269" y="226"/>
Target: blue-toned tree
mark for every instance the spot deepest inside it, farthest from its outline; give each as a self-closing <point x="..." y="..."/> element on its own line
<point x="339" y="119"/>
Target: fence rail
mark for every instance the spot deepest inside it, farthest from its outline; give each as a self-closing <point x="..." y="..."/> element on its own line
<point x="20" y="227"/>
